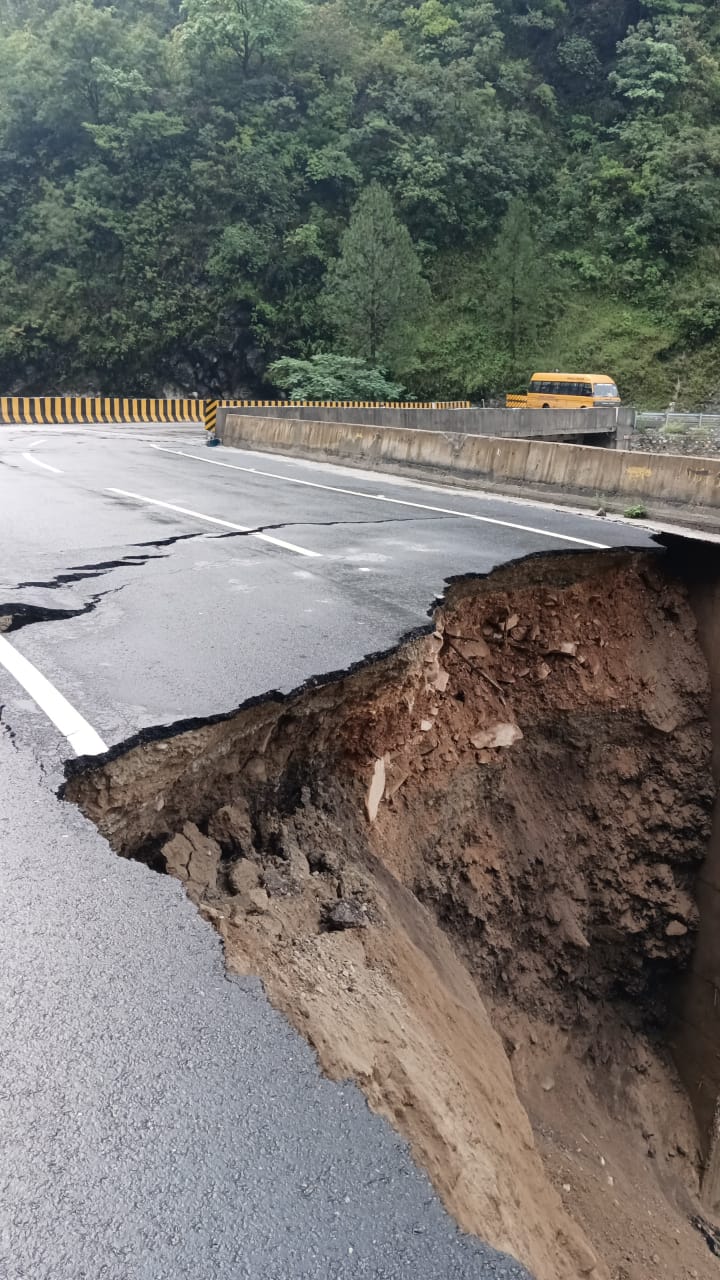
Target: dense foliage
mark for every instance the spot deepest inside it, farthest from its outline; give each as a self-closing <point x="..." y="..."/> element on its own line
<point x="176" y="186"/>
<point x="331" y="377"/>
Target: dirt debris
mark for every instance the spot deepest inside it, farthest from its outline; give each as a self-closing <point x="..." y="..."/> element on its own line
<point x="465" y="872"/>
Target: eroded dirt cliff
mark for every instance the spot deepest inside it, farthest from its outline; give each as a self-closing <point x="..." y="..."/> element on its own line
<point x="465" y="872"/>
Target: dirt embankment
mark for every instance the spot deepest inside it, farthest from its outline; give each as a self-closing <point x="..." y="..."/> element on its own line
<point x="465" y="873"/>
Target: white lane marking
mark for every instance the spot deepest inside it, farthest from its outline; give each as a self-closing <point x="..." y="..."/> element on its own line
<point x="227" y="524"/>
<point x="36" y="443"/>
<point x="45" y="465"/>
<point x="82" y="737"/>
<point x="381" y="497"/>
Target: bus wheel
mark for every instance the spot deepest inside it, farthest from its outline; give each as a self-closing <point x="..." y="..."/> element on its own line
<point x="546" y="406"/>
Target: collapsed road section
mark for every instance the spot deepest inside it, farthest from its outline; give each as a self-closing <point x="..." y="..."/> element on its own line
<point x="466" y="871"/>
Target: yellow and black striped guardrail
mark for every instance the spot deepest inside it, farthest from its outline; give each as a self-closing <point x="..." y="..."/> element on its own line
<point x="515" y="402"/>
<point x="348" y="404"/>
<point x="48" y="411"/>
<point x="210" y="413"/>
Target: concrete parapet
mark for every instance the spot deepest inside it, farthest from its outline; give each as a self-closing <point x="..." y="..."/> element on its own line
<point x="678" y="486"/>
<point x="524" y="423"/>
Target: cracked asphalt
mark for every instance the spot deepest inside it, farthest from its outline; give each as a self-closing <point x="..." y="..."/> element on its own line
<point x="158" y="1119"/>
<point x="174" y="617"/>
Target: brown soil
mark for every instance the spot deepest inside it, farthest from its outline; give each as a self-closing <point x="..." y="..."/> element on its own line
<point x="465" y="872"/>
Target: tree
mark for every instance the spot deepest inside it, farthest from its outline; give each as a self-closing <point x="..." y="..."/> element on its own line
<point x="332" y="377"/>
<point x="248" y="31"/>
<point x="375" y="293"/>
<point x="581" y="67"/>
<point x="517" y="288"/>
<point x="652" y="63"/>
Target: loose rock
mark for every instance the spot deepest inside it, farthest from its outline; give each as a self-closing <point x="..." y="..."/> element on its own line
<point x="498" y="735"/>
<point x="204" y="856"/>
<point x="346" y="914"/>
<point x="278" y="884"/>
<point x="232" y="828"/>
<point x="243" y="876"/>
<point x="376" y="789"/>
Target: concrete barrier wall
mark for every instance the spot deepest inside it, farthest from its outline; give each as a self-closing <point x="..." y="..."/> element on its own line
<point x="524" y="423"/>
<point x="532" y="468"/>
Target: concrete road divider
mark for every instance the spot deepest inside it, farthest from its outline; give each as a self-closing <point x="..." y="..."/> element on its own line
<point x="586" y="426"/>
<point x="667" y="486"/>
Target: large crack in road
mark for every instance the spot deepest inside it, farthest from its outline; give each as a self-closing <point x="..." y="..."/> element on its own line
<point x="465" y="870"/>
<point x="14" y="615"/>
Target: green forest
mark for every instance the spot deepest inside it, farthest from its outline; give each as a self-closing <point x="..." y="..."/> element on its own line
<point x="431" y="198"/>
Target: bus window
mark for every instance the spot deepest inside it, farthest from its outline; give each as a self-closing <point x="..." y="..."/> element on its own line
<point x="605" y="389"/>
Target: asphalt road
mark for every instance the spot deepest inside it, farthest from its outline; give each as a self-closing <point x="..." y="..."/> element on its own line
<point x="159" y="1120"/>
<point x="195" y="626"/>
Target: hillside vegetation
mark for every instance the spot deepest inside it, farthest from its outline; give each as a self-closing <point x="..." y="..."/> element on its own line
<point x="177" y="184"/>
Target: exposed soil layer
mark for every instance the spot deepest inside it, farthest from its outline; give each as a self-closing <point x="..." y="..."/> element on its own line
<point x="465" y="872"/>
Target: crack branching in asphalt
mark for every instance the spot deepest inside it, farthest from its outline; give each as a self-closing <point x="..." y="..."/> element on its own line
<point x="15" y="616"/>
<point x="80" y="572"/>
<point x="7" y="728"/>
<point x="22" y="615"/>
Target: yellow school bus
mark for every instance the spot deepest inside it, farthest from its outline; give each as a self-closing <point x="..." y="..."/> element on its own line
<point x="571" y="391"/>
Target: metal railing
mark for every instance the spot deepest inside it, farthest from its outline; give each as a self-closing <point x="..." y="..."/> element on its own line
<point x="678" y="423"/>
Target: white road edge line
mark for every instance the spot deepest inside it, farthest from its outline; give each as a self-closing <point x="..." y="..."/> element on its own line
<point x="226" y="524"/>
<point x="82" y="737"/>
<point x="45" y="465"/>
<point x="380" y="497"/>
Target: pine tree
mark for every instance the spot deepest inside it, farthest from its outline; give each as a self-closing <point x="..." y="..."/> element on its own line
<point x="375" y="293"/>
<point x="517" y="286"/>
